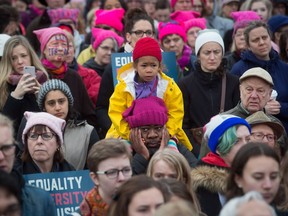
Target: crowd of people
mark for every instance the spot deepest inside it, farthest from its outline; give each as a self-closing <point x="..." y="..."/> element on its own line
<point x="212" y="141"/>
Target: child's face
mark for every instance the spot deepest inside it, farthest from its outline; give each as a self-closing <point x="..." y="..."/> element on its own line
<point x="147" y="68"/>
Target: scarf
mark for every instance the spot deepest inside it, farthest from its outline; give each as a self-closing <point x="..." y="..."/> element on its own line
<point x="14" y="77"/>
<point x="56" y="73"/>
<point x="185" y="58"/>
<point x="93" y="204"/>
<point x="214" y="159"/>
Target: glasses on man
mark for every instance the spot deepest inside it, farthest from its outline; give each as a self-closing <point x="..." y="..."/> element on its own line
<point x="260" y="136"/>
<point x="45" y="136"/>
<point x="140" y="33"/>
<point x="8" y="149"/>
<point x="114" y="173"/>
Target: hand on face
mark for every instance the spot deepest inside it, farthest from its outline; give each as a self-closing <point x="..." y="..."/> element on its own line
<point x="165" y="138"/>
<point x="137" y="143"/>
<point x="26" y="84"/>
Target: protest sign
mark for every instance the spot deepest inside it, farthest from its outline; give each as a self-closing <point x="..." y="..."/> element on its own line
<point x="168" y="59"/>
<point x="68" y="189"/>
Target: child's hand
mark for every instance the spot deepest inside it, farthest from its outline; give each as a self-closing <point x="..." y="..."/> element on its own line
<point x="138" y="144"/>
<point x="165" y="138"/>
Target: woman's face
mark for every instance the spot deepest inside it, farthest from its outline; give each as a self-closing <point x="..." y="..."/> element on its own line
<point x="42" y="149"/>
<point x="243" y="136"/>
<point x="56" y="103"/>
<point x="112" y="4"/>
<point x="261" y="174"/>
<point x="210" y="56"/>
<point x="261" y="9"/>
<point x="142" y="26"/>
<point x="145" y="203"/>
<point x="173" y="43"/>
<point x="239" y="40"/>
<point x="162" y="169"/>
<point x="9" y="205"/>
<point x="20" y="58"/>
<point x="56" y="49"/>
<point x="192" y="35"/>
<point x="104" y="51"/>
<point x="71" y="53"/>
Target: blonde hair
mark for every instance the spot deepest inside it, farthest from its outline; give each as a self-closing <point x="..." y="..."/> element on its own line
<point x="6" y="122"/>
<point x="6" y="67"/>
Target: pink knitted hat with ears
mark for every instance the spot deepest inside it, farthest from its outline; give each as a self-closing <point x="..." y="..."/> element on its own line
<point x="101" y="34"/>
<point x="173" y="2"/>
<point x="146" y="111"/>
<point x="172" y="27"/>
<point x="182" y="16"/>
<point x="197" y="22"/>
<point x="57" y="125"/>
<point x="45" y="34"/>
<point x="112" y="18"/>
<point x="243" y="18"/>
<point x="63" y="13"/>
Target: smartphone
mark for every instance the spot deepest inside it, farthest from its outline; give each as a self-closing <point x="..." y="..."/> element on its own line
<point x="30" y="70"/>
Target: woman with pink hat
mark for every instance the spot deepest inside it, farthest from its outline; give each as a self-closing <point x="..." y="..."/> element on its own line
<point x="106" y="42"/>
<point x="54" y="50"/>
<point x="192" y="27"/>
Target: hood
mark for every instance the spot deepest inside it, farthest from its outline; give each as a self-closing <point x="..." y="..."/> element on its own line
<point x="211" y="178"/>
<point x="248" y="56"/>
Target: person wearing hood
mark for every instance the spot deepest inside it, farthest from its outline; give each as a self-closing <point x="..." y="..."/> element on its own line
<point x="213" y="20"/>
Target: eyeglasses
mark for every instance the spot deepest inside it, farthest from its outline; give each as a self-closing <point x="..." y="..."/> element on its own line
<point x="260" y="136"/>
<point x="114" y="173"/>
<point x="45" y="136"/>
<point x="107" y="49"/>
<point x="140" y="33"/>
<point x="8" y="149"/>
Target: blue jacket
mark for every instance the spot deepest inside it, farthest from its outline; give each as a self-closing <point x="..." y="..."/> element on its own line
<point x="279" y="73"/>
<point x="37" y="202"/>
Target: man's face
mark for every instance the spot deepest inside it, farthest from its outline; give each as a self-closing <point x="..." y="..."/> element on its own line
<point x="7" y="154"/>
<point x="209" y="7"/>
<point x="228" y="8"/>
<point x="254" y="94"/>
<point x="152" y="135"/>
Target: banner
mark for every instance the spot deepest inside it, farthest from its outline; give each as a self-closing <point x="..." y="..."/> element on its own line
<point x="68" y="189"/>
<point x="168" y="59"/>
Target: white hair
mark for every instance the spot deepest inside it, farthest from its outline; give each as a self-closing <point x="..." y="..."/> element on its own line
<point x="231" y="208"/>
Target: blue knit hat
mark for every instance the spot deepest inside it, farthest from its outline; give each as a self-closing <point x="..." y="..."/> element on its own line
<point x="217" y="127"/>
<point x="276" y="22"/>
<point x="54" y="84"/>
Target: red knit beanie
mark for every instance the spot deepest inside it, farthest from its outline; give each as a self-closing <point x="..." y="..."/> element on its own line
<point x="147" y="47"/>
<point x="146" y="111"/>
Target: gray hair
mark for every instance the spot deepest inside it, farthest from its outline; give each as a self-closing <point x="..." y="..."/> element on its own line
<point x="231" y="208"/>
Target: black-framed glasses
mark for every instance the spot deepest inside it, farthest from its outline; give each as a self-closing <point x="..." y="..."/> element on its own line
<point x="45" y="136"/>
<point x="260" y="136"/>
<point x="8" y="149"/>
<point x="114" y="173"/>
<point x="140" y="33"/>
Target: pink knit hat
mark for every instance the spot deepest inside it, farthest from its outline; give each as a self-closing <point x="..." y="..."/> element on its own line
<point x="146" y="111"/>
<point x="197" y="22"/>
<point x="63" y="13"/>
<point x="57" y="125"/>
<point x="45" y="34"/>
<point x="182" y="16"/>
<point x="173" y="2"/>
<point x="172" y="27"/>
<point x="243" y="18"/>
<point x="100" y="35"/>
<point x="112" y="18"/>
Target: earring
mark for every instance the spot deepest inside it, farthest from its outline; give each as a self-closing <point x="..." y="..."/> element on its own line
<point x="240" y="186"/>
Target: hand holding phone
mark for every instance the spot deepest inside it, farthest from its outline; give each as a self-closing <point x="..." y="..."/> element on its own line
<point x="30" y="70"/>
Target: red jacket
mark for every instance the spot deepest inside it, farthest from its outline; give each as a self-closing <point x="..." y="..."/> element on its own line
<point x="91" y="81"/>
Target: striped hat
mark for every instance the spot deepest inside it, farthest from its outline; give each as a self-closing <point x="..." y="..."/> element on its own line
<point x="54" y="84"/>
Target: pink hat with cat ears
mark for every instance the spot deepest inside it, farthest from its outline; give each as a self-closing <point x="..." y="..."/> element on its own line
<point x="112" y="18"/>
<point x="63" y="13"/>
<point x="45" y="34"/>
<point x="100" y="35"/>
